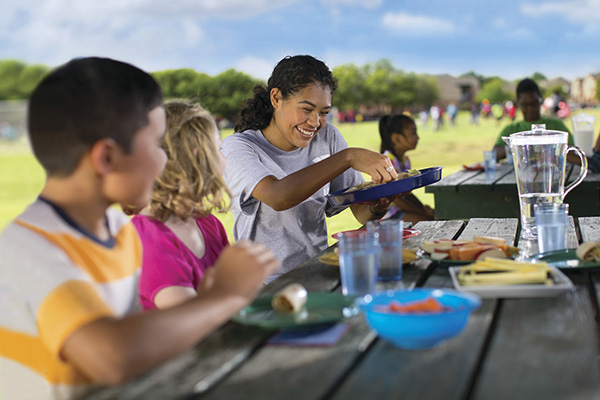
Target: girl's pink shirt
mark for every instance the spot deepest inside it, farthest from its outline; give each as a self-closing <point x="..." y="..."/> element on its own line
<point x="167" y="261"/>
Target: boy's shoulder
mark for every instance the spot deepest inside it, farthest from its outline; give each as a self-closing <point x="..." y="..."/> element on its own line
<point x="42" y="216"/>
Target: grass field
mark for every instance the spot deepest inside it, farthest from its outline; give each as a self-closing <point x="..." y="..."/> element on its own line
<point x="21" y="178"/>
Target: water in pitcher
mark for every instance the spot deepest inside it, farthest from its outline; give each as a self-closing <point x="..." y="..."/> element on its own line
<point x="527" y="201"/>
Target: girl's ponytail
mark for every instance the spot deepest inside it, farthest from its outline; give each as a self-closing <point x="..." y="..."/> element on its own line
<point x="256" y="112"/>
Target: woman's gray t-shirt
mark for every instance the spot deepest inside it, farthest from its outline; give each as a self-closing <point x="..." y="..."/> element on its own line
<point x="300" y="232"/>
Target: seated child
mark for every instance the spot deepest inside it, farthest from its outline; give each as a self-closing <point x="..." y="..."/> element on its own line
<point x="398" y="135"/>
<point x="69" y="300"/>
<point x="180" y="237"/>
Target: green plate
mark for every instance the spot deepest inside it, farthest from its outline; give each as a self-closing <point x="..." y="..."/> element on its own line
<point x="565" y="260"/>
<point x="320" y="308"/>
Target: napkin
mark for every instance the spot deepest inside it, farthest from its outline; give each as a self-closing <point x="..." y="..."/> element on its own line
<point x="474" y="167"/>
<point x="317" y="336"/>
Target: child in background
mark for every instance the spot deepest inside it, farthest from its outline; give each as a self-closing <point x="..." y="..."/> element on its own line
<point x="285" y="158"/>
<point x="180" y="237"/>
<point x="69" y="309"/>
<point x="398" y="135"/>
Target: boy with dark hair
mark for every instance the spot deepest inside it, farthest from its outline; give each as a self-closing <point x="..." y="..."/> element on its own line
<point x="70" y="263"/>
<point x="529" y="100"/>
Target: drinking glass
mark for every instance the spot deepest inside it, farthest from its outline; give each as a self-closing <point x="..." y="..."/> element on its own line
<point x="583" y="132"/>
<point x="551" y="222"/>
<point x="489" y="162"/>
<point x="389" y="240"/>
<point x="358" y="255"/>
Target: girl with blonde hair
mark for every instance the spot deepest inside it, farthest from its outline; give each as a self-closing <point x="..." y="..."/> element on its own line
<point x="181" y="238"/>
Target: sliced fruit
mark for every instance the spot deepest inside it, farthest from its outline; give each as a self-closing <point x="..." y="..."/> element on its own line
<point x="438" y="256"/>
<point x="494" y="253"/>
<point x="489" y="240"/>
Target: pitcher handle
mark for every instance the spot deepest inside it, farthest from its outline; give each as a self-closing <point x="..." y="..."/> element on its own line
<point x="582" y="172"/>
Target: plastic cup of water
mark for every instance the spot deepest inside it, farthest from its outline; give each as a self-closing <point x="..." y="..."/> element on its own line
<point x="389" y="240"/>
<point x="358" y="256"/>
<point x="551" y="220"/>
<point x="489" y="163"/>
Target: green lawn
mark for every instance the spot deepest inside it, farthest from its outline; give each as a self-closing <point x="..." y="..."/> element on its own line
<point x="21" y="178"/>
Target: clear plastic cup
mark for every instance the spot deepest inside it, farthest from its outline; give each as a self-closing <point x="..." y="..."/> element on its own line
<point x="389" y="240"/>
<point x="358" y="255"/>
<point x="551" y="221"/>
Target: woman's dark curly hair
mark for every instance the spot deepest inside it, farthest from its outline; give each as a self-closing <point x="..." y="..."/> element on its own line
<point x="291" y="75"/>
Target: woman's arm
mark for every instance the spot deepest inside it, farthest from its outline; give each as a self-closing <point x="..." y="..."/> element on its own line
<point x="282" y="194"/>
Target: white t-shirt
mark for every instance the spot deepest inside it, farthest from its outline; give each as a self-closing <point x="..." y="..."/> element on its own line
<point x="300" y="232"/>
<point x="55" y="279"/>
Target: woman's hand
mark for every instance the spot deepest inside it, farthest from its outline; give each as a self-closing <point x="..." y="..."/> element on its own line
<point x="378" y="166"/>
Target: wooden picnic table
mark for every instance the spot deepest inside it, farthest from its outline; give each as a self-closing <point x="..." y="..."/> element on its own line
<point x="470" y="194"/>
<point x="537" y="348"/>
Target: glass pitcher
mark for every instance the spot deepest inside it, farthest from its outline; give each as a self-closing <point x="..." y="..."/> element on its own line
<point x="539" y="158"/>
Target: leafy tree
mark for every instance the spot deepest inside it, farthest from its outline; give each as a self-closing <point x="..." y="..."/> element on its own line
<point x="17" y="79"/>
<point x="378" y="87"/>
<point x="426" y="90"/>
<point x="482" y="79"/>
<point x="493" y="90"/>
<point x="181" y="83"/>
<point x="222" y="95"/>
<point x="403" y="90"/>
<point x="351" y="86"/>
<point x="557" y="88"/>
<point x="538" y="77"/>
<point x="598" y="88"/>
<point x="227" y="92"/>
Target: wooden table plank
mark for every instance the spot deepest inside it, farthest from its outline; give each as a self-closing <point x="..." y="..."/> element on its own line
<point x="450" y="183"/>
<point x="443" y="372"/>
<point x="590" y="229"/>
<point x="520" y="364"/>
<point x="288" y="372"/>
<point x="483" y="182"/>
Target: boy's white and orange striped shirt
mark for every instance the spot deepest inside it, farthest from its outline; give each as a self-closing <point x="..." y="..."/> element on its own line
<point x="53" y="280"/>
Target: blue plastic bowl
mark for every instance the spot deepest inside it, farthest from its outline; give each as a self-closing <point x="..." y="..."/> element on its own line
<point x="418" y="330"/>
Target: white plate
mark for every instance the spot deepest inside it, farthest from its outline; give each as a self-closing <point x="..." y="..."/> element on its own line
<point x="561" y="284"/>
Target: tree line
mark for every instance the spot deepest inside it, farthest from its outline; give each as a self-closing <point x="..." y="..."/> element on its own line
<point x="379" y="86"/>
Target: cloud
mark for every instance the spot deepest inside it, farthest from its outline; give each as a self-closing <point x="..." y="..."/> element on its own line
<point x="416" y="25"/>
<point x="500" y="22"/>
<point x="368" y="4"/>
<point x="576" y="11"/>
<point x="255" y="67"/>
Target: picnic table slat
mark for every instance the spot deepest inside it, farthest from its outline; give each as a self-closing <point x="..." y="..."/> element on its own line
<point x="520" y="365"/>
<point x="442" y="372"/>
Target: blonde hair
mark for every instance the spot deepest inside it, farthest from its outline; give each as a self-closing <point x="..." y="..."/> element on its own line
<point x="191" y="185"/>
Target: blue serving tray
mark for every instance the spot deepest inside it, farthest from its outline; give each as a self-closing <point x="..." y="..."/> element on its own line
<point x="427" y="177"/>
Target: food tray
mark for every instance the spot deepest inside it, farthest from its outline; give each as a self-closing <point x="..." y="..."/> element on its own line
<point x="427" y="177"/>
<point x="561" y="284"/>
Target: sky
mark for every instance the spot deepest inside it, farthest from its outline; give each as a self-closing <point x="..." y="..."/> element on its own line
<point x="510" y="38"/>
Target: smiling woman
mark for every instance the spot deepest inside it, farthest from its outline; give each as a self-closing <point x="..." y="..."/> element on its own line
<point x="286" y="158"/>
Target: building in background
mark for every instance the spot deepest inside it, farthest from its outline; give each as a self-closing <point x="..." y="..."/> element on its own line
<point x="12" y="119"/>
<point x="583" y="90"/>
<point x="460" y="91"/>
